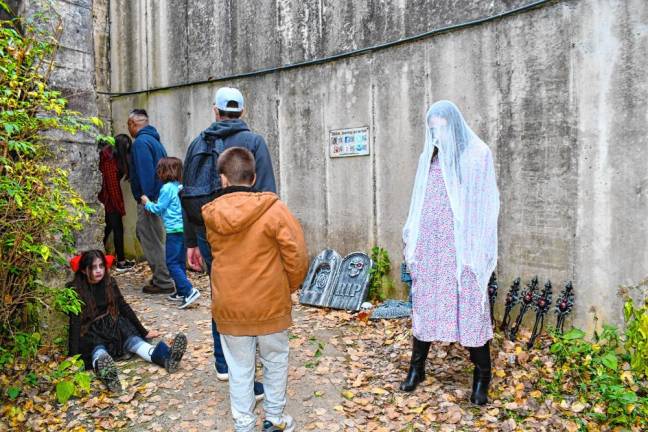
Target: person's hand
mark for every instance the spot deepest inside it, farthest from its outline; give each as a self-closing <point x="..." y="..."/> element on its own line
<point x="144" y="199"/>
<point x="152" y="334"/>
<point x="195" y="258"/>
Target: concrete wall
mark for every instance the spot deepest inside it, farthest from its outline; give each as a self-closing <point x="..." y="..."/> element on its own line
<point x="78" y="76"/>
<point x="558" y="92"/>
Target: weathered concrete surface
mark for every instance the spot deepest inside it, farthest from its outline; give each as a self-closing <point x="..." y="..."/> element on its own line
<point x="78" y="76"/>
<point x="557" y="92"/>
<point x="610" y="96"/>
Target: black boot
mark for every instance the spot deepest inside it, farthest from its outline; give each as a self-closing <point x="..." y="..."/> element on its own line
<point x="480" y="356"/>
<point x="416" y="372"/>
<point x="169" y="358"/>
<point x="106" y="370"/>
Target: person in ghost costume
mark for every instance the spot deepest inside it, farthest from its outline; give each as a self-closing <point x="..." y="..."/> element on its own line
<point x="450" y="239"/>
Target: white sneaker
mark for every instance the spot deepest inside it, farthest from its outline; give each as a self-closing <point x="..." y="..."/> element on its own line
<point x="286" y="424"/>
<point x="221" y="376"/>
<point x="190" y="298"/>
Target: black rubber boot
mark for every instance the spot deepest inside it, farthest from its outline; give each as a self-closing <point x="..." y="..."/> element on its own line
<point x="169" y="358"/>
<point x="106" y="370"/>
<point x="416" y="372"/>
<point x="480" y="356"/>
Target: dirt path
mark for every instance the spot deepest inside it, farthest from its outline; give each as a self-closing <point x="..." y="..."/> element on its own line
<point x="344" y="375"/>
<point x="192" y="399"/>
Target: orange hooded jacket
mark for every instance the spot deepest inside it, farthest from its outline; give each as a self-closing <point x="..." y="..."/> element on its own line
<point x="259" y="258"/>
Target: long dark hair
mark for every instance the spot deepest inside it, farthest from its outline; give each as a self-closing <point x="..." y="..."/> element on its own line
<point x="122" y="153"/>
<point x="84" y="289"/>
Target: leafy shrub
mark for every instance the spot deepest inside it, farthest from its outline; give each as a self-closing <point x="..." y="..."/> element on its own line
<point x="636" y="335"/>
<point x="70" y="379"/>
<point x="380" y="283"/>
<point x="40" y="210"/>
<point x="597" y="376"/>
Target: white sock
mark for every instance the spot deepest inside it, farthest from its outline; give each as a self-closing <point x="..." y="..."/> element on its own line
<point x="144" y="351"/>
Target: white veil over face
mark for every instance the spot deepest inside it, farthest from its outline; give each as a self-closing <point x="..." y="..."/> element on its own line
<point x="469" y="176"/>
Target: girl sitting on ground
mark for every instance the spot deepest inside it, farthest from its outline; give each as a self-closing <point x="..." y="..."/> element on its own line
<point x="107" y="327"/>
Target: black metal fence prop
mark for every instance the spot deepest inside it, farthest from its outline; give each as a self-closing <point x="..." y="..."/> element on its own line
<point x="492" y="295"/>
<point x="512" y="298"/>
<point x="541" y="304"/>
<point x="564" y="306"/>
<point x="525" y="303"/>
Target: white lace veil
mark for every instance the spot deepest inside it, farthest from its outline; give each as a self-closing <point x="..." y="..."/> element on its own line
<point x="469" y="176"/>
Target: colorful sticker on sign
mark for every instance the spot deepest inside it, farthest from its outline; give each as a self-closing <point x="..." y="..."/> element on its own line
<point x="349" y="142"/>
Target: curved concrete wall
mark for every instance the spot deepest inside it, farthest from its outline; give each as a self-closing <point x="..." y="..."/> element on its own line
<point x="559" y="93"/>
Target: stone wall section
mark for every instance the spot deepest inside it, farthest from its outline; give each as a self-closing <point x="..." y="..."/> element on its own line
<point x="558" y="92"/>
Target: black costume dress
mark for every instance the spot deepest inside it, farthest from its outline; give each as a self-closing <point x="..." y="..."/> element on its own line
<point x="103" y="328"/>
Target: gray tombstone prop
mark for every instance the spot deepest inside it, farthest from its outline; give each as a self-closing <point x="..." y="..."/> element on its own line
<point x="352" y="282"/>
<point x="320" y="278"/>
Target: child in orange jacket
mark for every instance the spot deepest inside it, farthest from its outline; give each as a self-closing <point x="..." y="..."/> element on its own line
<point x="259" y="259"/>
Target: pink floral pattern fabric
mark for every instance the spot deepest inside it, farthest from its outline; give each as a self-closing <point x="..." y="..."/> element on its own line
<point x="440" y="312"/>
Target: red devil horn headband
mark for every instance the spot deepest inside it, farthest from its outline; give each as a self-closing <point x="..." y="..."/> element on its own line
<point x="76" y="260"/>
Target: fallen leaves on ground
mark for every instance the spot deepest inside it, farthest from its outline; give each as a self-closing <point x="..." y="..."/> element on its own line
<point x="344" y="376"/>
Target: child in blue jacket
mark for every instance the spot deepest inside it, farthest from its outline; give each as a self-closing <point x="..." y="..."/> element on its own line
<point x="169" y="170"/>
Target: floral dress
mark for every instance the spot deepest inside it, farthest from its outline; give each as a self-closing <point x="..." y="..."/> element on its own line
<point x="440" y="311"/>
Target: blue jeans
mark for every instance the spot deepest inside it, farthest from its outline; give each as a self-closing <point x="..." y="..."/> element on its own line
<point x="205" y="251"/>
<point x="176" y="261"/>
<point x="130" y="345"/>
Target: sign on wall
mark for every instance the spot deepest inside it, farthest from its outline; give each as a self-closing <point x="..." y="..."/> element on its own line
<point x="349" y="142"/>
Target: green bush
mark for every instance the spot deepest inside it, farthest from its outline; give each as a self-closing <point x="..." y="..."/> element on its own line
<point x="597" y="376"/>
<point x="380" y="283"/>
<point x="40" y="211"/>
<point x="636" y="335"/>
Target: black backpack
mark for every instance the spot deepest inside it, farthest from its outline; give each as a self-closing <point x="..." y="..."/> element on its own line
<point x="200" y="180"/>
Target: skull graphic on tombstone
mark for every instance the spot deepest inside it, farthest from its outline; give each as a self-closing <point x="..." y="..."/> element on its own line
<point x="355" y="267"/>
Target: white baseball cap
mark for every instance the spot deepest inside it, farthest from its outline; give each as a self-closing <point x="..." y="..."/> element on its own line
<point x="225" y="95"/>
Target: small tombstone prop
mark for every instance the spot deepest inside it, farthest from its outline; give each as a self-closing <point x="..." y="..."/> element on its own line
<point x="492" y="295"/>
<point x="526" y="302"/>
<point x="541" y="304"/>
<point x="512" y="298"/>
<point x="352" y="282"/>
<point x="564" y="305"/>
<point x="320" y="278"/>
<point x="336" y="282"/>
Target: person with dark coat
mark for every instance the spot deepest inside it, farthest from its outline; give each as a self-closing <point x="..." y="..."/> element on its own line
<point x="107" y="327"/>
<point x="113" y="164"/>
<point x="201" y="184"/>
<point x="146" y="152"/>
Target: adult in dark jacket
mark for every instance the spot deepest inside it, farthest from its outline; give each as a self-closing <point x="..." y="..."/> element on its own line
<point x="146" y="151"/>
<point x="201" y="183"/>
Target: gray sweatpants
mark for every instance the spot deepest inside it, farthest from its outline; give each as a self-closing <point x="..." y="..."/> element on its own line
<point x="240" y="353"/>
<point x="151" y="235"/>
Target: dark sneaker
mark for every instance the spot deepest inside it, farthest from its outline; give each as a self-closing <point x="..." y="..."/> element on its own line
<point x="123" y="266"/>
<point x="178" y="348"/>
<point x="154" y="289"/>
<point x="106" y="370"/>
<point x="258" y="391"/>
<point x="175" y="297"/>
<point x="287" y="424"/>
<point x="190" y="298"/>
<point x="221" y="373"/>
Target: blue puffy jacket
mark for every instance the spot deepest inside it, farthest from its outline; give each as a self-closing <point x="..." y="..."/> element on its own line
<point x="146" y="151"/>
<point x="168" y="206"/>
